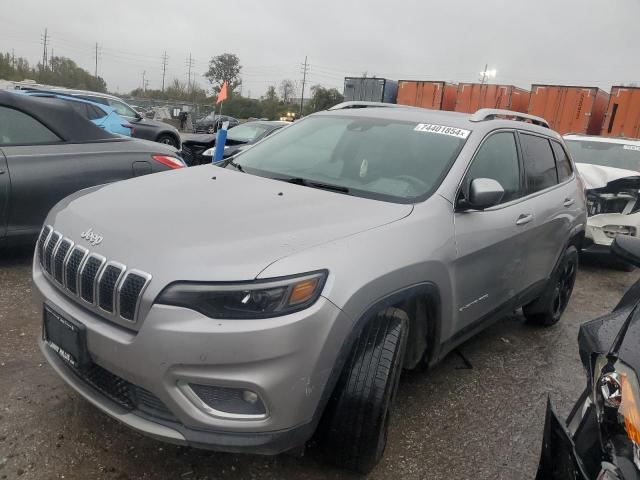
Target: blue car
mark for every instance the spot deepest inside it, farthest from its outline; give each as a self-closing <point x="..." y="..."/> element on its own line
<point x="103" y="116"/>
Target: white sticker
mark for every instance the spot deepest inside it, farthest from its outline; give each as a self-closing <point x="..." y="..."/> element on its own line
<point x="442" y="130"/>
<point x="632" y="147"/>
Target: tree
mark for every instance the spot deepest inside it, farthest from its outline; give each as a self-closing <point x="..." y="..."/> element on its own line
<point x="271" y="104"/>
<point x="323" y="98"/>
<point x="287" y="90"/>
<point x="225" y="67"/>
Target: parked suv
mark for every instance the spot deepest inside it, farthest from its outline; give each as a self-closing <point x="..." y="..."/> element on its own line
<point x="349" y="246"/>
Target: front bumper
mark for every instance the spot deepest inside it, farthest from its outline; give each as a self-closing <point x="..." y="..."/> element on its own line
<point x="287" y="361"/>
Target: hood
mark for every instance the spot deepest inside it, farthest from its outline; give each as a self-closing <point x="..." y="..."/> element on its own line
<point x="212" y="224"/>
<point x="598" y="176"/>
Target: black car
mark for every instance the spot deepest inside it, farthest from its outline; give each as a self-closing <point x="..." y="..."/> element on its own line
<point x="601" y="438"/>
<point x="212" y="122"/>
<point x="143" y="128"/>
<point x="49" y="151"/>
<point x="197" y="151"/>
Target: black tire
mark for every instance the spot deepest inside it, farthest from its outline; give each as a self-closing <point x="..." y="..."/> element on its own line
<point x="167" y="139"/>
<point x="357" y="419"/>
<point x="549" y="307"/>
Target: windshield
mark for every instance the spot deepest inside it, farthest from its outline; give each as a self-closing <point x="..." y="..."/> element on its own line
<point x="617" y="155"/>
<point x="247" y="133"/>
<point x="371" y="157"/>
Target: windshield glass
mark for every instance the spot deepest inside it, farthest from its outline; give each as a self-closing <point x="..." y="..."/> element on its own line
<point x="376" y="158"/>
<point x="249" y="132"/>
<point x="617" y="155"/>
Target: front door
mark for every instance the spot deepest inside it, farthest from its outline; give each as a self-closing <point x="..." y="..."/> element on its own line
<point x="489" y="243"/>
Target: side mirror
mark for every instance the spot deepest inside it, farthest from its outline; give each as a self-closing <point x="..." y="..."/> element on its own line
<point x="484" y="193"/>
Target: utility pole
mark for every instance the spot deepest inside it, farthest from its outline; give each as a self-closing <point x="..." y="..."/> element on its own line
<point x="164" y="67"/>
<point x="304" y="81"/>
<point x="97" y="54"/>
<point x="189" y="64"/>
<point x="13" y="58"/>
<point x="45" y="41"/>
<point x="484" y="73"/>
<point x="144" y="82"/>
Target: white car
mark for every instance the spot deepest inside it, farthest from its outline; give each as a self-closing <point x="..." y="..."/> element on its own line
<point x="610" y="170"/>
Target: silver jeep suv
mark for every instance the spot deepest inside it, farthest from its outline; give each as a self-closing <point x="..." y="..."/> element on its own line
<point x="324" y="260"/>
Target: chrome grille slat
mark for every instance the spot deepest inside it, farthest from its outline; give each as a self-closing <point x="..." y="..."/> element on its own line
<point x="107" y="287"/>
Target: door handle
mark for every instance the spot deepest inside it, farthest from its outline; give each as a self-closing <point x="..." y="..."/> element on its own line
<point x="568" y="202"/>
<point x="524" y="219"/>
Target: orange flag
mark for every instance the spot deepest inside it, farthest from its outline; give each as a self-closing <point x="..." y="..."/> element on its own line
<point x="222" y="96"/>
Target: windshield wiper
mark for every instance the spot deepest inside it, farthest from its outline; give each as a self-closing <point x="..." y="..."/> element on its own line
<point x="314" y="184"/>
<point x="237" y="166"/>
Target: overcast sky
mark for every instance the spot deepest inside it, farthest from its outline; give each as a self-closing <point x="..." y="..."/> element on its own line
<point x="578" y="42"/>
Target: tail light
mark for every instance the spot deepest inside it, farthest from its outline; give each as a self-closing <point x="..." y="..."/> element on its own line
<point x="171" y="162"/>
<point x="130" y="127"/>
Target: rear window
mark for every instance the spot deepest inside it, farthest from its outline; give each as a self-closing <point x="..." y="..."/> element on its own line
<point x="616" y="155"/>
<point x="539" y="162"/>
<point x="17" y="128"/>
<point x="372" y="157"/>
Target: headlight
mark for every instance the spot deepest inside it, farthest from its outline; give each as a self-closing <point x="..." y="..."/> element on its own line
<point x="209" y="152"/>
<point x="617" y="395"/>
<point x="258" y="299"/>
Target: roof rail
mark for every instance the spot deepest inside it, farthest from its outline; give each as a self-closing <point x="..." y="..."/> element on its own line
<point x="491" y="114"/>
<point x="363" y="104"/>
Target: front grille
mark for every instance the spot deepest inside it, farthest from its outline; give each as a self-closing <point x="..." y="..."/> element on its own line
<point x="108" y="281"/>
<point x="126" y="394"/>
<point x="88" y="278"/>
<point x="130" y="294"/>
<point x="42" y="240"/>
<point x="101" y="283"/>
<point x="48" y="251"/>
<point x="58" y="259"/>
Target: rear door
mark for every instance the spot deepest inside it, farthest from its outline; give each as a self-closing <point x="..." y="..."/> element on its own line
<point x="549" y="201"/>
<point x="4" y="194"/>
<point x="489" y="242"/>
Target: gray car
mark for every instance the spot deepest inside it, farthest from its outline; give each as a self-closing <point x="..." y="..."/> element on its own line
<point x="48" y="151"/>
<point x="324" y="260"/>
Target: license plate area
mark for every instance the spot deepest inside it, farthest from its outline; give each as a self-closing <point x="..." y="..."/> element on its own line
<point x="66" y="337"/>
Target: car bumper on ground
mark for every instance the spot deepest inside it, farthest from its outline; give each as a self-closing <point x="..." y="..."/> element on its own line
<point x="147" y="379"/>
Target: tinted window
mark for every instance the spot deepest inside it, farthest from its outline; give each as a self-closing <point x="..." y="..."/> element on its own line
<point x="498" y="159"/>
<point x="562" y="162"/>
<point x="539" y="164"/>
<point x="95" y="112"/>
<point x="372" y="157"/>
<point x="19" y="128"/>
<point x="79" y="107"/>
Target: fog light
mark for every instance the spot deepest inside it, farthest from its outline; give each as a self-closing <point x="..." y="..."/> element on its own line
<point x="249" y="396"/>
<point x="613" y="231"/>
<point x="225" y="402"/>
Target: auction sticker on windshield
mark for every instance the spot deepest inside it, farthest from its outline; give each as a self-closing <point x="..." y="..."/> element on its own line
<point x="442" y="130"/>
<point x="632" y="147"/>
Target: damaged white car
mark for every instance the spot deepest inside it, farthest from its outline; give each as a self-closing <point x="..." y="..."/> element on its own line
<point x="610" y="169"/>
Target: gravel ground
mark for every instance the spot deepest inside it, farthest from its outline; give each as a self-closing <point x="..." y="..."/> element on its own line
<point x="483" y="422"/>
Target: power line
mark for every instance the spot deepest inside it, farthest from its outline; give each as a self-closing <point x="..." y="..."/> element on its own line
<point x="164" y="67"/>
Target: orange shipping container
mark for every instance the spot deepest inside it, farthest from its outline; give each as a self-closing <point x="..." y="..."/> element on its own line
<point x="427" y="94"/>
<point x="569" y="109"/>
<point x="474" y="96"/>
<point x="623" y="114"/>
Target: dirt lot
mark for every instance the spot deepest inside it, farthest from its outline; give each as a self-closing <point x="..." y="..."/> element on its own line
<point x="483" y="422"/>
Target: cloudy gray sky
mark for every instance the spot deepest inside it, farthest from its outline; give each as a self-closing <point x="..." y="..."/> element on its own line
<point x="580" y="42"/>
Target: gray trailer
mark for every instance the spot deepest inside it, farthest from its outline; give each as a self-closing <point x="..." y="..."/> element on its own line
<point x="370" y="90"/>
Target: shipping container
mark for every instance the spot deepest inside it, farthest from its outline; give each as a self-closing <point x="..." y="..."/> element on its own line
<point x="474" y="96"/>
<point x="427" y="94"/>
<point x="569" y="109"/>
<point x="370" y="90"/>
<point x="623" y="114"/>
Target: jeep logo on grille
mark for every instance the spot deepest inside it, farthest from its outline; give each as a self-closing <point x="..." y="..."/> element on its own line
<point x="92" y="238"/>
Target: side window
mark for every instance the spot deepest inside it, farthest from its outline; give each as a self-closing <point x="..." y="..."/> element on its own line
<point x="21" y="129"/>
<point x="95" y="112"/>
<point x="562" y="162"/>
<point x="539" y="163"/>
<point x="79" y="107"/>
<point x="498" y="159"/>
<point x="122" y="109"/>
